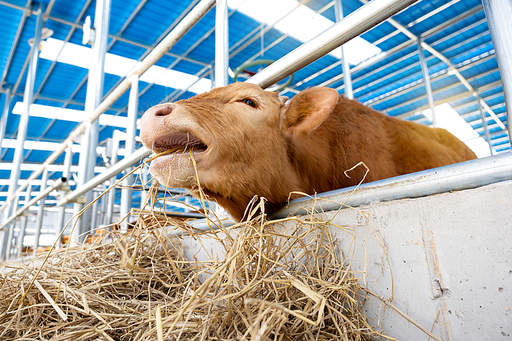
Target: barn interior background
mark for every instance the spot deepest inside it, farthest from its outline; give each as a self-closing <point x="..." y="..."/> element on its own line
<point x="65" y="80"/>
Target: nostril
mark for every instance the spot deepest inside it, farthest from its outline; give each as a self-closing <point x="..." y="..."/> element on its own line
<point x="164" y="110"/>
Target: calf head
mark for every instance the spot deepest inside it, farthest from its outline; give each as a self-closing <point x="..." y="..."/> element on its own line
<point x="233" y="142"/>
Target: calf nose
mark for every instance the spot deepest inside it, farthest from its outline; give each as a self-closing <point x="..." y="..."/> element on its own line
<point x="153" y="120"/>
<point x="156" y="115"/>
<point x="160" y="110"/>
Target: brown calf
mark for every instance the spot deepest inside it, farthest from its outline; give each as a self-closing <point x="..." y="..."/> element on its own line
<point x="245" y="142"/>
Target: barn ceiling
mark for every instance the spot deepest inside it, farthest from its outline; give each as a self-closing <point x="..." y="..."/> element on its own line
<point x="391" y="81"/>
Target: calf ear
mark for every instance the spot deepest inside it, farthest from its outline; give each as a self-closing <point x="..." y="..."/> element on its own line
<point x="307" y="110"/>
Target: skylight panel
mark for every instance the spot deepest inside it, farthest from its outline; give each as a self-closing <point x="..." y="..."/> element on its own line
<point x="70" y="115"/>
<point x="450" y="120"/>
<point x="302" y="24"/>
<point x="80" y="56"/>
<point x="259" y="9"/>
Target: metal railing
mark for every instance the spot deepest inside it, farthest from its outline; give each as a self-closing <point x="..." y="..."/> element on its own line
<point x="159" y="51"/>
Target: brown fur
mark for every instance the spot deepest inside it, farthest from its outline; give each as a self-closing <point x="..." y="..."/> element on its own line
<point x="273" y="150"/>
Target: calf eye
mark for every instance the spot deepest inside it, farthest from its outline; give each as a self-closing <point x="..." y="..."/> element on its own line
<point x="249" y="102"/>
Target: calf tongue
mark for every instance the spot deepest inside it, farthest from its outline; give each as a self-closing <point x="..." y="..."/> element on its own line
<point x="178" y="141"/>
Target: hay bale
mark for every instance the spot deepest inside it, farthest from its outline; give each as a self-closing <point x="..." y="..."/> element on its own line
<point x="275" y="283"/>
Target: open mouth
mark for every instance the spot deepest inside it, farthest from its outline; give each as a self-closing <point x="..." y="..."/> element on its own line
<point x="178" y="142"/>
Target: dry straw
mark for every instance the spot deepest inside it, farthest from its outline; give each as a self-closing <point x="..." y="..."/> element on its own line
<point x="284" y="280"/>
<point x="276" y="283"/>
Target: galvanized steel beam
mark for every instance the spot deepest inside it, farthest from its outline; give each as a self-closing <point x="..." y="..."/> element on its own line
<point x="23" y="221"/>
<point x="347" y="78"/>
<point x="22" y="129"/>
<point x="350" y="27"/>
<point x="66" y="174"/>
<point x="498" y="14"/>
<point x="131" y="132"/>
<point x="5" y="114"/>
<point x="426" y="81"/>
<point x="89" y="139"/>
<point x="460" y="176"/>
<point x="40" y="211"/>
<point x="221" y="44"/>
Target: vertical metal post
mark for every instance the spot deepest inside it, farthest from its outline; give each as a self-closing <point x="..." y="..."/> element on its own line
<point x="484" y="123"/>
<point x="28" y="98"/>
<point x="426" y="79"/>
<point x="104" y="203"/>
<point x="347" y="77"/>
<point x="23" y="221"/>
<point x="94" y="210"/>
<point x="498" y="13"/>
<point x="93" y="98"/>
<point x="40" y="211"/>
<point x="66" y="173"/>
<point x="131" y="131"/>
<point x="221" y="59"/>
<point x="112" y="192"/>
<point x="143" y="194"/>
<point x="5" y="114"/>
<point x="221" y="44"/>
<point x="15" y="206"/>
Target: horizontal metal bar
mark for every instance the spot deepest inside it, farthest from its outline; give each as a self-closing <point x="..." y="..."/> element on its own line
<point x="460" y="176"/>
<point x="350" y="27"/>
<point x="110" y="172"/>
<point x="56" y="185"/>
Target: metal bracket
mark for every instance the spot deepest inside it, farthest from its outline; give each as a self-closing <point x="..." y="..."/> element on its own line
<point x="89" y="33"/>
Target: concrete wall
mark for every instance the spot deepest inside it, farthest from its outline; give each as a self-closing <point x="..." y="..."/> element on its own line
<point x="446" y="260"/>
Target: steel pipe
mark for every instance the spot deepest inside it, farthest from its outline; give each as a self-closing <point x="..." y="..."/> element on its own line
<point x="131" y="132"/>
<point x="23" y="221"/>
<point x="68" y="160"/>
<point x="347" y="78"/>
<point x="89" y="139"/>
<point x="5" y="114"/>
<point x="426" y="80"/>
<point x="460" y="176"/>
<point x="40" y="211"/>
<point x="22" y="128"/>
<point x="160" y="50"/>
<point x="56" y="185"/>
<point x="484" y="124"/>
<point x="221" y="44"/>
<point x="98" y="179"/>
<point x="498" y="13"/>
<point x="350" y="27"/>
<point x="114" y="149"/>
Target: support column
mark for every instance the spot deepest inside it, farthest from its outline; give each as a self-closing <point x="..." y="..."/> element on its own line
<point x="40" y="211"/>
<point x="221" y="44"/>
<point x="426" y="79"/>
<point x="112" y="192"/>
<point x="221" y="62"/>
<point x="93" y="99"/>
<point x="131" y="131"/>
<point x="498" y="13"/>
<point x="5" y="114"/>
<point x="23" y="221"/>
<point x="347" y="77"/>
<point x="66" y="173"/>
<point x="484" y="122"/>
<point x="28" y="98"/>
<point x="144" y="194"/>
